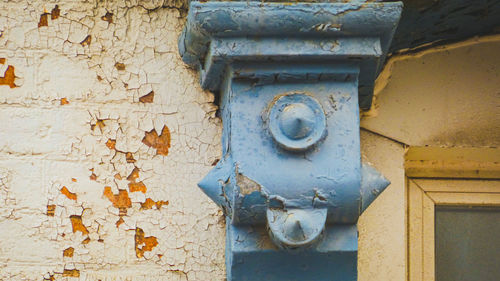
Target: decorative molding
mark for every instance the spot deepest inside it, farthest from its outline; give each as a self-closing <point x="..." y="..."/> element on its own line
<point x="218" y="33"/>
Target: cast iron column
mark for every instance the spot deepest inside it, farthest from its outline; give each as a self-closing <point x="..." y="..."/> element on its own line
<point x="291" y="78"/>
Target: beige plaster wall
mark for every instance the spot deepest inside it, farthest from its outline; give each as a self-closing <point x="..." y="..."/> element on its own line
<point x="382" y="243"/>
<point x="105" y="133"/>
<point x="445" y="96"/>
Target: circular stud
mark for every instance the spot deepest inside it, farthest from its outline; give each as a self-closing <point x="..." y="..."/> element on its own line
<point x="297" y="121"/>
<point x="295" y="228"/>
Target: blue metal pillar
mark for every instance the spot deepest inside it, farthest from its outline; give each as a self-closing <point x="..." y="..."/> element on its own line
<point x="291" y="79"/>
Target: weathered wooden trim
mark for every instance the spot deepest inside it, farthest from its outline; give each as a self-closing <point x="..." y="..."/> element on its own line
<point x="455" y="162"/>
<point x="463" y="186"/>
<point x="428" y="239"/>
<point x="471" y="199"/>
<point x="415" y="229"/>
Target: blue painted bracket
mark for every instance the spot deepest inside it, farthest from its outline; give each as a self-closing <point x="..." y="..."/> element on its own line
<point x="291" y="79"/>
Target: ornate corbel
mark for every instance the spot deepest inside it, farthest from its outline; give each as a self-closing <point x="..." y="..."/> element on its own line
<point x="291" y="78"/>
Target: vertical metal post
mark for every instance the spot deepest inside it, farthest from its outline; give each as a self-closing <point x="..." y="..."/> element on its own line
<point x="291" y="79"/>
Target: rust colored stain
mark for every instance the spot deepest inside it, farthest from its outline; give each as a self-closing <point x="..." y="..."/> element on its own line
<point x="119" y="222"/>
<point x="147" y="98"/>
<point x="71" y="273"/>
<point x="129" y="157"/>
<point x="149" y="203"/>
<point x="8" y="77"/>
<point x="68" y="252"/>
<point x="161" y="142"/>
<point x="73" y="179"/>
<point x="108" y="17"/>
<point x="64" y="101"/>
<point x="118" y="176"/>
<point x="51" y="209"/>
<point x="2" y="60"/>
<point x="72" y="196"/>
<point x="76" y="223"/>
<point x="133" y="175"/>
<point x="86" y="241"/>
<point x="120" y="66"/>
<point x="93" y="176"/>
<point x="120" y="201"/>
<point x="86" y="41"/>
<point x="43" y="20"/>
<point x="134" y="186"/>
<point x="137" y="186"/>
<point x="111" y="143"/>
<point x="55" y="13"/>
<point x="99" y="123"/>
<point x="142" y="243"/>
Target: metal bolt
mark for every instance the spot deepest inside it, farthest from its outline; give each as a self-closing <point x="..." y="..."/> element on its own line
<point x="296" y="228"/>
<point x="293" y="230"/>
<point x="297" y="121"/>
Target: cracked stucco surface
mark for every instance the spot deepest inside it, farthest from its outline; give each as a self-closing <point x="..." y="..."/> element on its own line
<point x="73" y="145"/>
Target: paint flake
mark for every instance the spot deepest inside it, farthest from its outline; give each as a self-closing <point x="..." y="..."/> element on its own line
<point x="86" y="41"/>
<point x="77" y="224"/>
<point x="8" y="77"/>
<point x="43" y="20"/>
<point x="161" y="142"/>
<point x="51" y="210"/>
<point x="71" y="273"/>
<point x="133" y="185"/>
<point x="147" y="98"/>
<point x="119" y="66"/>
<point x="142" y="243"/>
<point x="149" y="203"/>
<point x="129" y="157"/>
<point x="55" y="13"/>
<point x="108" y="17"/>
<point x="111" y="144"/>
<point x="70" y="195"/>
<point x="68" y="252"/>
<point x="120" y="201"/>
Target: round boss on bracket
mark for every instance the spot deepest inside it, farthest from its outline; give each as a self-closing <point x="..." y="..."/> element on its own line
<point x="296" y="121"/>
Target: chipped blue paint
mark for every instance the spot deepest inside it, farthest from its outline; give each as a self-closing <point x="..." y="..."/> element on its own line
<point x="290" y="182"/>
<point x="296" y="121"/>
<point x="217" y="33"/>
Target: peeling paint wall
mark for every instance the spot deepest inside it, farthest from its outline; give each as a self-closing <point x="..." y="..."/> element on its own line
<point x="105" y="133"/>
